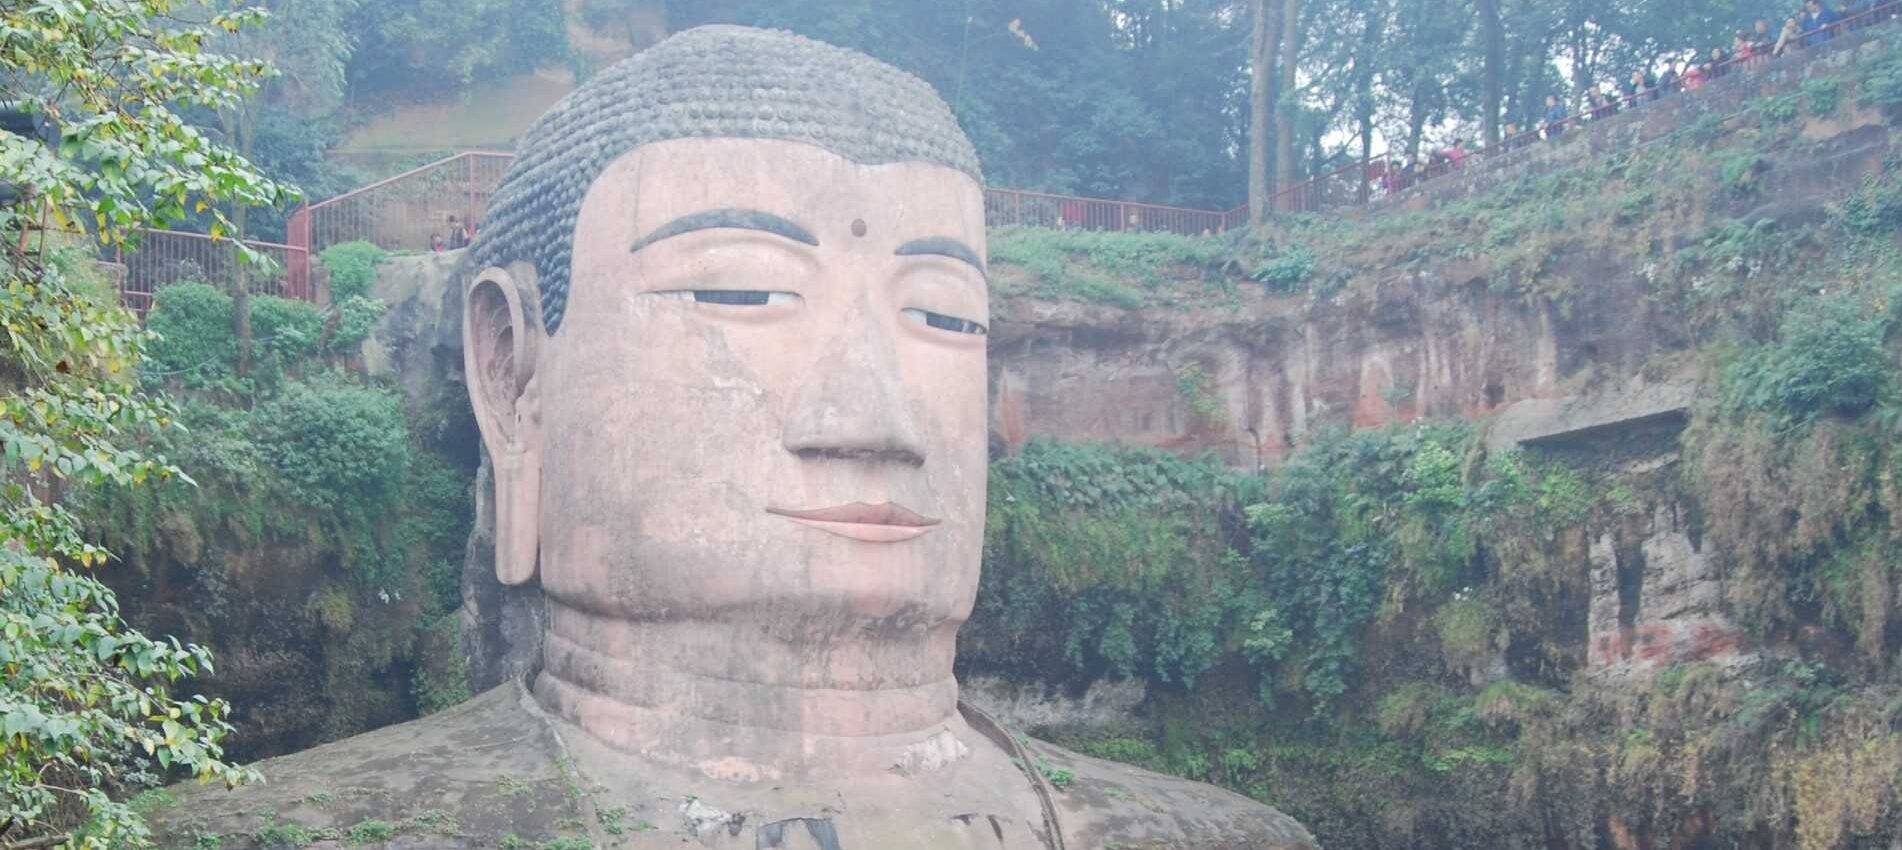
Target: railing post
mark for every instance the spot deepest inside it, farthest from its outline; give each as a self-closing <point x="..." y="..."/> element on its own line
<point x="297" y="263"/>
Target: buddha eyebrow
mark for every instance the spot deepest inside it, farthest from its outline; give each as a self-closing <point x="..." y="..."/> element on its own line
<point x="737" y="219"/>
<point x="940" y="246"/>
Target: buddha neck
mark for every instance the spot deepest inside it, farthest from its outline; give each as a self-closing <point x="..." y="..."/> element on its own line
<point x="737" y="702"/>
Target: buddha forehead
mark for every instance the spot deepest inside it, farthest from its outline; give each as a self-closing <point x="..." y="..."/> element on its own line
<point x="712" y="83"/>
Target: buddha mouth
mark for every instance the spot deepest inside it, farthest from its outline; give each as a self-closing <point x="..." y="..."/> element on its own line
<point x="884" y="522"/>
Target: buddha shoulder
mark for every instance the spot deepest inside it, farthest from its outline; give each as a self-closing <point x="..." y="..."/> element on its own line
<point x="1107" y="804"/>
<point x="467" y="776"/>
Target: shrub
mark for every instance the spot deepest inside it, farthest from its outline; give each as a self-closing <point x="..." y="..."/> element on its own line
<point x="1286" y="269"/>
<point x="1822" y="96"/>
<point x="193" y="321"/>
<point x="339" y="446"/>
<point x="1741" y="171"/>
<point x="1102" y="267"/>
<point x="352" y="268"/>
<point x="371" y="832"/>
<point x="1828" y="358"/>
<point x="1875" y="208"/>
<point x="286" y="329"/>
<point x="356" y="318"/>
<point x="1197" y="387"/>
<point x="1881" y="83"/>
<point x="1780" y="109"/>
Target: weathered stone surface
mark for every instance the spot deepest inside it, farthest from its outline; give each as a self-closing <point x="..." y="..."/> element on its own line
<point x="1550" y="420"/>
<point x="1657" y="601"/>
<point x="497" y="766"/>
<point x="1031" y="705"/>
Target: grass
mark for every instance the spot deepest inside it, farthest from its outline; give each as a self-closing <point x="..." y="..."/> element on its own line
<point x="1126" y="270"/>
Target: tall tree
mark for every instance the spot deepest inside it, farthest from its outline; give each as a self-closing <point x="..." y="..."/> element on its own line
<point x="1288" y="104"/>
<point x="88" y="703"/>
<point x="1261" y="100"/>
<point x="1492" y="37"/>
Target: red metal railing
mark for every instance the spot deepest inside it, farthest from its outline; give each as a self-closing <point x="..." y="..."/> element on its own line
<point x="1038" y="209"/>
<point x="413" y="210"/>
<point x="167" y="256"/>
<point x="1386" y="175"/>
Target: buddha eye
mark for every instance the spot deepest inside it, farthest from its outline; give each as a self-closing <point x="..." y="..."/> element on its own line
<point x="733" y="297"/>
<point x="943" y="322"/>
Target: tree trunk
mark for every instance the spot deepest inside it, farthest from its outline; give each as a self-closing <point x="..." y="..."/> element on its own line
<point x="1416" y="120"/>
<point x="239" y="123"/>
<point x="1492" y="90"/>
<point x="1261" y="99"/>
<point x="1288" y="105"/>
<point x="1364" y="91"/>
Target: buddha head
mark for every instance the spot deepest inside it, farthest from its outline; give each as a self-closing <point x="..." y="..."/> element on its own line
<point x="725" y="342"/>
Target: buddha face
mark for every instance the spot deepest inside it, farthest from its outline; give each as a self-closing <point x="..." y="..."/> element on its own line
<point x="766" y="401"/>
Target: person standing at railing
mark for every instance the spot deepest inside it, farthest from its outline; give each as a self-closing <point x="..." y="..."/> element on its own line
<point x="1555" y="116"/>
<point x="1693" y="76"/>
<point x="1595" y="105"/>
<point x="1790" y="37"/>
<point x="1455" y="154"/>
<point x="1742" y="48"/>
<point x="1636" y="88"/>
<point x="1717" y="66"/>
<point x="1764" y="39"/>
<point x="457" y="239"/>
<point x="1820" y="23"/>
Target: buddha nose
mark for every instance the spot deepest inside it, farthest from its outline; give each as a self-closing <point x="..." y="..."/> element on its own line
<point x="853" y="404"/>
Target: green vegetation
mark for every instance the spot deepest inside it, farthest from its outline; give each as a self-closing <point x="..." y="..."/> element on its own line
<point x="1197" y="389"/>
<point x="1822" y="96"/>
<point x="1059" y="778"/>
<point x="1880" y="83"/>
<point x="1828" y="359"/>
<point x="1285" y="268"/>
<point x="281" y="835"/>
<point x="352" y="267"/>
<point x="370" y="832"/>
<point x="1163" y="568"/>
<point x="194" y="348"/>
<point x="1127" y="270"/>
<point x="1384" y="636"/>
<point x="90" y="708"/>
<point x="324" y="477"/>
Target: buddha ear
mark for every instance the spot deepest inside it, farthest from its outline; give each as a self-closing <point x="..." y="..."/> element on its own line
<point x="502" y="337"/>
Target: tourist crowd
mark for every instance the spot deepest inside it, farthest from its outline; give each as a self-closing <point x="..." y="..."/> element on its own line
<point x="1817" y="22"/>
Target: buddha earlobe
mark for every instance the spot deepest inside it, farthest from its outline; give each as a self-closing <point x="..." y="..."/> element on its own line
<point x="502" y="334"/>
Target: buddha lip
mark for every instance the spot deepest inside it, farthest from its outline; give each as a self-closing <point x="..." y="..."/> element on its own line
<point x="860" y="513"/>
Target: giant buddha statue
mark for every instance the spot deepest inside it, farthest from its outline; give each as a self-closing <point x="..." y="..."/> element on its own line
<point x="724" y="336"/>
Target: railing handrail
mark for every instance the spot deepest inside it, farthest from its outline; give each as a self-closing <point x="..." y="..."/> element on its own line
<point x="407" y="174"/>
<point x="1032" y="193"/>
<point x="206" y="236"/>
